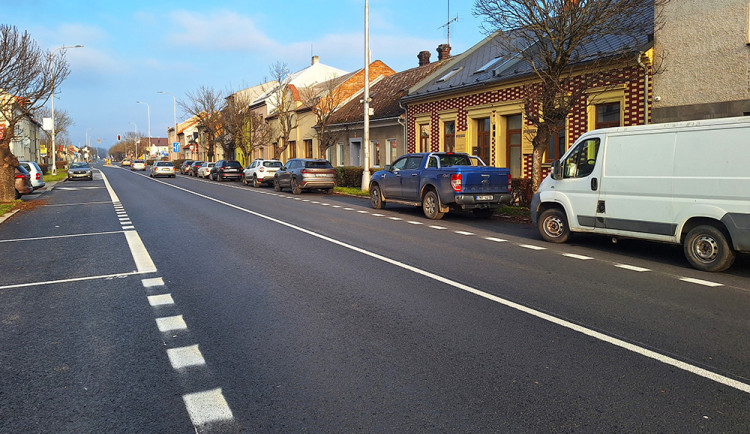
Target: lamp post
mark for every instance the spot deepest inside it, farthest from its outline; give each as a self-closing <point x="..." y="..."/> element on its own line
<point x="148" y="109"/>
<point x="175" y="112"/>
<point x="366" y="99"/>
<point x="87" y="139"/>
<point x="135" y="139"/>
<point x="51" y="58"/>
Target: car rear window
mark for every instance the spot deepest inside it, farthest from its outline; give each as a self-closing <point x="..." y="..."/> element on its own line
<point x="164" y="163"/>
<point x="318" y="165"/>
<point x="233" y="163"/>
<point x="272" y="163"/>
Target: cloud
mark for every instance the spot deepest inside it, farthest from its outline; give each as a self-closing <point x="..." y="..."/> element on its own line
<point x="218" y="31"/>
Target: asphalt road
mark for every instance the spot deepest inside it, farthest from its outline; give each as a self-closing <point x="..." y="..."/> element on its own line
<point x="175" y="305"/>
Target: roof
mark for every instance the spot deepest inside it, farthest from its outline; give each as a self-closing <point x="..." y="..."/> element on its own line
<point x="385" y="95"/>
<point x="488" y="62"/>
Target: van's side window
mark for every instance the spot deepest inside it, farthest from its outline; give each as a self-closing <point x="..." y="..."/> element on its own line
<point x="580" y="163"/>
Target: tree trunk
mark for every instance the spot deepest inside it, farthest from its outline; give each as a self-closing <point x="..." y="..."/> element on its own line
<point x="540" y="145"/>
<point x="8" y="163"/>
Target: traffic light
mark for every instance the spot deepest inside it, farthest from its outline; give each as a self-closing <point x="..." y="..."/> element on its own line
<point x="118" y="137"/>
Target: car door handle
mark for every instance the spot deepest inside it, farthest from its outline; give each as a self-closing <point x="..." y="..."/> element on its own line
<point x="413" y="174"/>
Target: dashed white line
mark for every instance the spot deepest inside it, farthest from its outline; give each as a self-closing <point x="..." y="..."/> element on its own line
<point x="378" y="215"/>
<point x="700" y="282"/>
<point x="632" y="268"/>
<point x="151" y="283"/>
<point x="184" y="357"/>
<point x="348" y="209"/>
<point x="171" y="323"/>
<point x="395" y="218"/>
<point x="206" y="407"/>
<point x="531" y="247"/>
<point x="363" y="212"/>
<point x="440" y="228"/>
<point x="463" y="233"/>
<point x="496" y="240"/>
<point x="160" y="300"/>
<point x="574" y="256"/>
<point x="412" y="222"/>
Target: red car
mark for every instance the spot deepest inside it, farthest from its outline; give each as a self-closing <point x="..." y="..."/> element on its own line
<point x="23" y="182"/>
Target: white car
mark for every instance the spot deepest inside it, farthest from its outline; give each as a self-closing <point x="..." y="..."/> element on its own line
<point x="261" y="171"/>
<point x="205" y="170"/>
<point x="138" y="165"/>
<point x="37" y="177"/>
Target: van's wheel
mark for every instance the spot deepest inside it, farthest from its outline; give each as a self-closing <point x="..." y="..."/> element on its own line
<point x="553" y="226"/>
<point x="375" y="198"/>
<point x="707" y="249"/>
<point x="296" y="189"/>
<point x="431" y="206"/>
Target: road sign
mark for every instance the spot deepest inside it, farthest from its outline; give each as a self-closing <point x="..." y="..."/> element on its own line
<point x="176" y="147"/>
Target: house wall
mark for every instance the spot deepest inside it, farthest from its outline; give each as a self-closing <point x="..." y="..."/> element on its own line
<point x="499" y="102"/>
<point x="382" y="138"/>
<point x="705" y="47"/>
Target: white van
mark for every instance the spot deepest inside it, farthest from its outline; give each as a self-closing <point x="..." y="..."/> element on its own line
<point x="686" y="182"/>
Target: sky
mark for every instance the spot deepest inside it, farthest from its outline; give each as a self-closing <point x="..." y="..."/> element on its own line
<point x="135" y="48"/>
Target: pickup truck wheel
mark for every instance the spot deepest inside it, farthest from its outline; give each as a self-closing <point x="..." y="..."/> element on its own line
<point x="553" y="226"/>
<point x="296" y="189"/>
<point x="276" y="185"/>
<point x="375" y="198"/>
<point x="256" y="184"/>
<point x="707" y="249"/>
<point x="431" y="206"/>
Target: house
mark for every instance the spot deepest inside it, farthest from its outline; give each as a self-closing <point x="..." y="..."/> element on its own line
<point x="706" y="67"/>
<point x="387" y="140"/>
<point x="27" y="132"/>
<point x="474" y="104"/>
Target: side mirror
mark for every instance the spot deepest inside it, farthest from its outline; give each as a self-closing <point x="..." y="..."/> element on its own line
<point x="387" y="167"/>
<point x="557" y="172"/>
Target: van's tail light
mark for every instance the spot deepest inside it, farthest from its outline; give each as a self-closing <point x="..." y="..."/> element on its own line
<point x="456" y="182"/>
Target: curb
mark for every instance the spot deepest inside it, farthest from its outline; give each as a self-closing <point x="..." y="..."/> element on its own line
<point x="8" y="215"/>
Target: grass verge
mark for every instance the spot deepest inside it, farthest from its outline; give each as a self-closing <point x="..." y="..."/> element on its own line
<point x="61" y="174"/>
<point x="7" y="207"/>
<point x="354" y="191"/>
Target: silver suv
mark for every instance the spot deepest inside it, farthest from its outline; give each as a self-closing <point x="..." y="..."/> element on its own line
<point x="305" y="173"/>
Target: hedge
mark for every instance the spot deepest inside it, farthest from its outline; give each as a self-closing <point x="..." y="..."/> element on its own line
<point x="351" y="176"/>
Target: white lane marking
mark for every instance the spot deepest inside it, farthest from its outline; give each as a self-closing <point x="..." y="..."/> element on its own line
<point x="378" y="215"/>
<point x="206" y="407"/>
<point x="79" y="203"/>
<point x="337" y="206"/>
<point x="348" y="209"/>
<point x="632" y="268"/>
<point x="305" y="200"/>
<point x="705" y="373"/>
<point x="363" y="212"/>
<point x="700" y="282"/>
<point x="325" y="204"/>
<point x="463" y="233"/>
<point x="160" y="300"/>
<point x="574" y="256"/>
<point x="314" y="201"/>
<point x="184" y="357"/>
<point x="142" y="259"/>
<point x="75" y="279"/>
<point x="150" y="283"/>
<point x="59" y="236"/>
<point x="128" y="227"/>
<point x="496" y="240"/>
<point x="529" y="246"/>
<point x="171" y="323"/>
<point x="77" y="188"/>
<point x="395" y="218"/>
<point x="125" y="224"/>
<point x="412" y="222"/>
<point x="440" y="228"/>
<point x="296" y="198"/>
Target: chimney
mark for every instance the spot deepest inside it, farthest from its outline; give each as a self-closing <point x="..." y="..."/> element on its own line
<point x="424" y="58"/>
<point x="315" y="59"/>
<point x="444" y="51"/>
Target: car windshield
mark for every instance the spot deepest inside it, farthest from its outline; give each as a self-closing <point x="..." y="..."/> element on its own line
<point x="79" y="166"/>
<point x="272" y="163"/>
<point x="318" y="165"/>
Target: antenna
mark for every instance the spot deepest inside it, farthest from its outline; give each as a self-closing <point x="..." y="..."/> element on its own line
<point x="450" y="20"/>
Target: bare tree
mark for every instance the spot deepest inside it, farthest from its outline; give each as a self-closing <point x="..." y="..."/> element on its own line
<point x="207" y="105"/>
<point x="556" y="39"/>
<point x="323" y="100"/>
<point x="27" y="79"/>
<point x="126" y="147"/>
<point x="63" y="122"/>
<point x="245" y="129"/>
<point x="283" y="108"/>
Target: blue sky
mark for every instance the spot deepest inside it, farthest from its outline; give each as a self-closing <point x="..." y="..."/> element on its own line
<point x="134" y="48"/>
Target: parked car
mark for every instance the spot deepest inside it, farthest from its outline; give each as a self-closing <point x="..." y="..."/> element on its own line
<point x="23" y="182"/>
<point x="185" y="167"/>
<point x="80" y="169"/>
<point x="162" y="168"/>
<point x="126" y="162"/>
<point x="226" y="169"/>
<point x="37" y="177"/>
<point x="205" y="170"/>
<point x="440" y="182"/>
<point x="193" y="169"/>
<point x="138" y="165"/>
<point x="304" y="174"/>
<point x="260" y="172"/>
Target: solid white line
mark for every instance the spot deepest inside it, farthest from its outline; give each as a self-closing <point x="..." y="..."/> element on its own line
<point x="185" y="357"/>
<point x="160" y="300"/>
<point x="75" y="279"/>
<point x="171" y="323"/>
<point x="206" y="407"/>
<point x="574" y="256"/>
<point x="59" y="236"/>
<point x="112" y="194"/>
<point x="632" y="268"/>
<point x="497" y="240"/>
<point x="700" y="282"/>
<point x="142" y="259"/>
<point x="529" y="246"/>
<point x="513" y="305"/>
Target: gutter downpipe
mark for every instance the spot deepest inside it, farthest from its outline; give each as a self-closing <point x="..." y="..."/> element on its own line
<point x="403" y="124"/>
<point x="645" y="79"/>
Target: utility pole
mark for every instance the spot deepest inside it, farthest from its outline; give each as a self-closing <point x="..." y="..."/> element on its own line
<point x="366" y="135"/>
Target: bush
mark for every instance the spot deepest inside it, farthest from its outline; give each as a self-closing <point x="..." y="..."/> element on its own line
<point x="44" y="168"/>
<point x="178" y="162"/>
<point x="61" y="164"/>
<point x="521" y="190"/>
<point x="350" y="176"/>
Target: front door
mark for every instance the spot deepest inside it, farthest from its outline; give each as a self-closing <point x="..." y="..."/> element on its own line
<point x="355" y="152"/>
<point x="514" y="146"/>
<point x="580" y="183"/>
<point x="482" y="148"/>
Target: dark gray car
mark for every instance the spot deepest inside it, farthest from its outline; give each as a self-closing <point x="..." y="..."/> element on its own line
<point x="304" y="174"/>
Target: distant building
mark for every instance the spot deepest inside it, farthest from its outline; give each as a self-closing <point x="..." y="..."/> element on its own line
<point x="705" y="47"/>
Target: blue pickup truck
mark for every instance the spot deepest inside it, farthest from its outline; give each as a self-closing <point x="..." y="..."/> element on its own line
<point x="441" y="181"/>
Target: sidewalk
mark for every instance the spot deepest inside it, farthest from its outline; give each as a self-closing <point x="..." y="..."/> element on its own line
<point x="47" y="188"/>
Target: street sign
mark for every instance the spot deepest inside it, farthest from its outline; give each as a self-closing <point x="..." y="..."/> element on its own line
<point x="176" y="147"/>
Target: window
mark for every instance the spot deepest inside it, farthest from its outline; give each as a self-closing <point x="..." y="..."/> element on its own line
<point x="341" y="154"/>
<point x="580" y="163"/>
<point x="400" y="164"/>
<point x="449" y="136"/>
<point x="482" y="148"/>
<point x="424" y="138"/>
<point x="487" y="65"/>
<point x="449" y="75"/>
<point x="375" y="153"/>
<point x="308" y="148"/>
<point x="392" y="150"/>
<point x="607" y="115"/>
<point x="513" y="145"/>
<point x="413" y="163"/>
<point x="556" y="146"/>
<point x="292" y="149"/>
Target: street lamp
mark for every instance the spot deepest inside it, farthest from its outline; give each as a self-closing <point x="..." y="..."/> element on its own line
<point x="366" y="99"/>
<point x="148" y="108"/>
<point x="51" y="58"/>
<point x="135" y="139"/>
<point x="175" y="112"/>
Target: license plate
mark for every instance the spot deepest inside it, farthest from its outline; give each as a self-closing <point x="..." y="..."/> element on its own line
<point x="485" y="197"/>
<point x="322" y="174"/>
